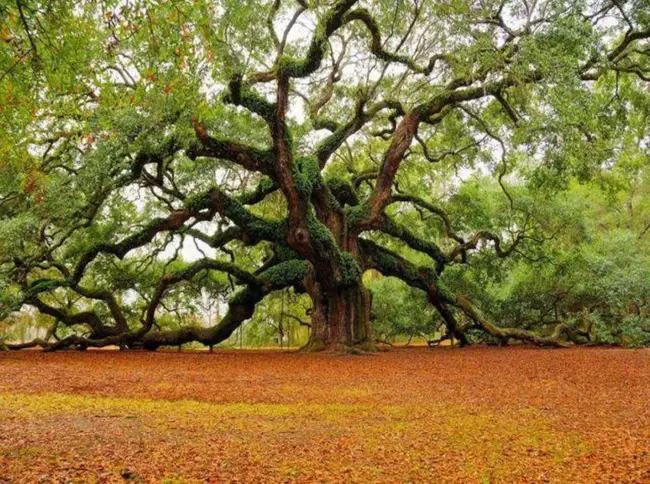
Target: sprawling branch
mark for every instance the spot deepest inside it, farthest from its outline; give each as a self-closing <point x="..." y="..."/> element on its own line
<point x="486" y="235"/>
<point x="377" y="46"/>
<point x="417" y="201"/>
<point x="248" y="157"/>
<point x="202" y="207"/>
<point x="392" y="228"/>
<point x="391" y="264"/>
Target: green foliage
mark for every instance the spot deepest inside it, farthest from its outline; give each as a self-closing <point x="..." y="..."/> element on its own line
<point x="593" y="274"/>
<point x="306" y="175"/>
<point x="285" y="273"/>
<point x="400" y="310"/>
<point x="277" y="322"/>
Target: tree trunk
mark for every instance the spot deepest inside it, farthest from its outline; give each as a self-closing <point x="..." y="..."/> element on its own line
<point x="340" y="319"/>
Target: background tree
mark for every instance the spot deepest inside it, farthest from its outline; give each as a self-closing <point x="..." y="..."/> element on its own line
<point x="401" y="311"/>
<point x="296" y="145"/>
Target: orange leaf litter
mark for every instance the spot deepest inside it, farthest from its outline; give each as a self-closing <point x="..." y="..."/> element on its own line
<point x="408" y="415"/>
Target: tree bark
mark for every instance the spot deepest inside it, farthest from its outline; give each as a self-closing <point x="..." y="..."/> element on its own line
<point x="340" y="319"/>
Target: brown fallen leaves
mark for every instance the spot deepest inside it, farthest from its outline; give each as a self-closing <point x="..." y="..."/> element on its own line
<point x="463" y="415"/>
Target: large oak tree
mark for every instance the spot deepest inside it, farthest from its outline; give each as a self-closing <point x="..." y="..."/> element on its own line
<point x="286" y="140"/>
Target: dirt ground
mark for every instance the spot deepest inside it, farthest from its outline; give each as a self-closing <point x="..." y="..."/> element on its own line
<point x="408" y="415"/>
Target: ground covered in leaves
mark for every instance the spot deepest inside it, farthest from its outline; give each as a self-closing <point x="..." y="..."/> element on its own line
<point x="465" y="415"/>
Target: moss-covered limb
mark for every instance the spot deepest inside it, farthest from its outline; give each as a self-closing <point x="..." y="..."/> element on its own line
<point x="88" y="318"/>
<point x="285" y="274"/>
<point x="241" y="307"/>
<point x="203" y="206"/>
<point x="249" y="157"/>
<point x="321" y="238"/>
<point x="208" y="336"/>
<point x="335" y="267"/>
<point x="364" y="176"/>
<point x="390" y="227"/>
<point x="361" y="117"/>
<point x="486" y="235"/>
<point x="557" y="339"/>
<point x="314" y="189"/>
<point x="172" y="222"/>
<point x="278" y="161"/>
<point x="283" y="253"/>
<point x="329" y="208"/>
<point x="377" y="46"/>
<point x="216" y="201"/>
<point x="390" y="263"/>
<point x="242" y="94"/>
<point x="434" y="210"/>
<point x="256" y="227"/>
<point x="40" y="286"/>
<point x="334" y="19"/>
<point x="331" y="143"/>
<point x="109" y="299"/>
<point x="323" y="123"/>
<point x="316" y="106"/>
<point x="343" y="191"/>
<point x="328" y="24"/>
<point x="306" y="175"/>
<point x="355" y="216"/>
<point x="194" y="268"/>
<point x="265" y="187"/>
<point x="218" y="239"/>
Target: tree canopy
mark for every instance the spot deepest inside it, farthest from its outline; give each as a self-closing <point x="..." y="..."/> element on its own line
<point x="491" y="154"/>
